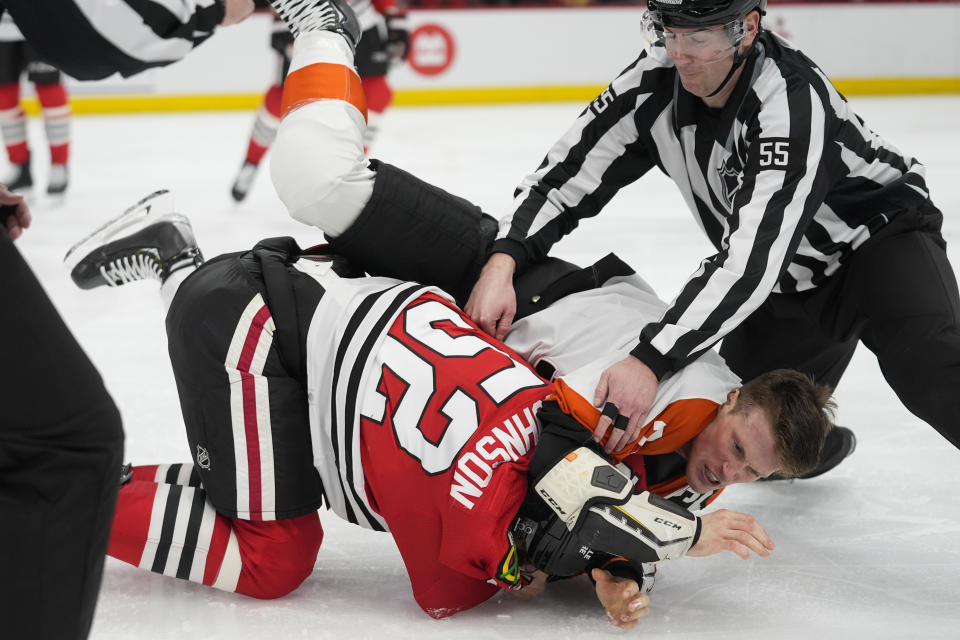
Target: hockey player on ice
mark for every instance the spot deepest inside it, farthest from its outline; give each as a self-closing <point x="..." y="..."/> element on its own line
<point x="304" y="384"/>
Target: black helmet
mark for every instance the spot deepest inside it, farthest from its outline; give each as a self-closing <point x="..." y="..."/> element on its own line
<point x="701" y="13"/>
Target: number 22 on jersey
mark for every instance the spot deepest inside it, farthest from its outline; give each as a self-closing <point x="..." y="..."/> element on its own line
<point x="442" y="379"/>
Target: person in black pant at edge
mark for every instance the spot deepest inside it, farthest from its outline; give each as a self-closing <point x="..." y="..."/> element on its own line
<point x="61" y="445"/>
<point x="61" y="440"/>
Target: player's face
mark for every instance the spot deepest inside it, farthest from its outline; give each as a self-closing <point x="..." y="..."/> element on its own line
<point x="702" y="57"/>
<point x="738" y="446"/>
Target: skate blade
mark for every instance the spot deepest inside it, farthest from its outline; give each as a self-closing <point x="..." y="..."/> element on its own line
<point x="146" y="209"/>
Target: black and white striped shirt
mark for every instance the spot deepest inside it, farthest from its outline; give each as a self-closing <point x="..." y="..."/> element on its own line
<point x="92" y="39"/>
<point x="786" y="181"/>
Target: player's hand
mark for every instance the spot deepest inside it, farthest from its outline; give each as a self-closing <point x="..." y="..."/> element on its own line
<point x="538" y="584"/>
<point x="14" y="213"/>
<point x="235" y="11"/>
<point x="621" y="598"/>
<point x="493" y="302"/>
<point x="731" y="531"/>
<point x="398" y="36"/>
<point x="630" y="387"/>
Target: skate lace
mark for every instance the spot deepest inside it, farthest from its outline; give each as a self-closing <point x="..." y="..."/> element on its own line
<point x="129" y="268"/>
<point x="305" y="15"/>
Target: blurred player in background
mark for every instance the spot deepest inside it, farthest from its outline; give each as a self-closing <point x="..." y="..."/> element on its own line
<point x="384" y="41"/>
<point x="17" y="57"/>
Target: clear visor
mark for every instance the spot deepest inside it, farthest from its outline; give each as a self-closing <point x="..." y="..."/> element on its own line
<point x="704" y="44"/>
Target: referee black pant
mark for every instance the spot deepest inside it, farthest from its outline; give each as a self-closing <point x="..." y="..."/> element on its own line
<point x="896" y="294"/>
<point x="61" y="445"/>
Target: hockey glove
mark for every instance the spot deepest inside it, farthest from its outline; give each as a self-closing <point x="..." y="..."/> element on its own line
<point x="398" y="36"/>
<point x="595" y="502"/>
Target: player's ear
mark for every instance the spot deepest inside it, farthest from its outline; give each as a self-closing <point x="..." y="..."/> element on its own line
<point x="732" y="398"/>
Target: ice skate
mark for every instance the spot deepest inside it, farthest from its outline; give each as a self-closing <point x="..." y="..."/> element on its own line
<point x="126" y="473"/>
<point x="241" y="186"/>
<point x="302" y="16"/>
<point x="20" y="180"/>
<point x="148" y="241"/>
<point x="59" y="180"/>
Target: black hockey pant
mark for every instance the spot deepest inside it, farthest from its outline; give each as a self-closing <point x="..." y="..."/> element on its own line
<point x="898" y="295"/>
<point x="412" y="230"/>
<point x="61" y="446"/>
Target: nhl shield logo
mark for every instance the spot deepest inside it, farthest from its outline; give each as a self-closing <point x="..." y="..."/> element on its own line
<point x="203" y="458"/>
<point x="730" y="172"/>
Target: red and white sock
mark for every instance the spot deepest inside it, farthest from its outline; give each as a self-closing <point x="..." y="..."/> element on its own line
<point x="13" y="124"/>
<point x="379" y="97"/>
<point x="172" y="529"/>
<point x="266" y="124"/>
<point x="56" y="120"/>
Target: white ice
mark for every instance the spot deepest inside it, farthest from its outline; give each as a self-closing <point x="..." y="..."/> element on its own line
<point x="869" y="550"/>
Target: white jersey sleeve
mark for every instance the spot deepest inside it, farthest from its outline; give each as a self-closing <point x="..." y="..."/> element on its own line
<point x="582" y="334"/>
<point x="349" y="324"/>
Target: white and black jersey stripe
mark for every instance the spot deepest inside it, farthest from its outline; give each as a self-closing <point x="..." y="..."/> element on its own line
<point x="349" y="324"/>
<point x="183" y="474"/>
<point x="181" y="536"/>
<point x="90" y="39"/>
<point x="786" y="181"/>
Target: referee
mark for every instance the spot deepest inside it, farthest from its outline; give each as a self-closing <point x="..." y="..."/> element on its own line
<point x="825" y="234"/>
<point x="92" y="39"/>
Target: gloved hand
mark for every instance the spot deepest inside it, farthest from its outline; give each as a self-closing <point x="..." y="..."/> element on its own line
<point x="398" y="36"/>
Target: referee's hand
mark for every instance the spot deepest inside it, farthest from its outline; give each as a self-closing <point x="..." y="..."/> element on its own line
<point x="630" y="386"/>
<point x="14" y="213"/>
<point x="493" y="301"/>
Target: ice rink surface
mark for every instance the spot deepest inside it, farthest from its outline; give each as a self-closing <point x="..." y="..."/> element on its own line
<point x="871" y="550"/>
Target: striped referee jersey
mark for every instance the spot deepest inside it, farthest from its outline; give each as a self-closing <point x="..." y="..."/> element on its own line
<point x="92" y="39"/>
<point x="785" y="180"/>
